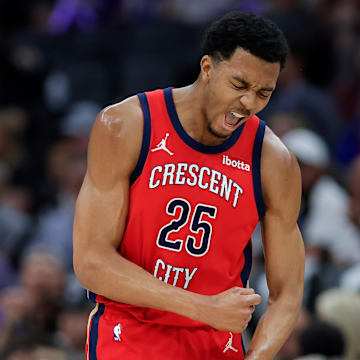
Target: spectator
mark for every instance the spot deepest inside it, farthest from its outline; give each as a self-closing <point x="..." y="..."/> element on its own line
<point x="43" y="276"/>
<point x="350" y="279"/>
<point x="16" y="306"/>
<point x="66" y="168"/>
<point x="71" y="325"/>
<point x="321" y="338"/>
<point x="323" y="218"/>
<point x="342" y="309"/>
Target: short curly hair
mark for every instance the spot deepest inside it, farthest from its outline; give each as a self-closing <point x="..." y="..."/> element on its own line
<point x="253" y="33"/>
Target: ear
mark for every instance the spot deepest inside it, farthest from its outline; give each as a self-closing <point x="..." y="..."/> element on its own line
<point x="207" y="66"/>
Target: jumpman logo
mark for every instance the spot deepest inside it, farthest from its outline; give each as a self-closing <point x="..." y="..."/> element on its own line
<point x="162" y="145"/>
<point x="228" y="345"/>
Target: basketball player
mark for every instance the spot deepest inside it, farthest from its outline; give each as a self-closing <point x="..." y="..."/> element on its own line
<point x="177" y="180"/>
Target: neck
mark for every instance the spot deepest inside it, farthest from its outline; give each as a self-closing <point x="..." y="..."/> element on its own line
<point x="190" y="106"/>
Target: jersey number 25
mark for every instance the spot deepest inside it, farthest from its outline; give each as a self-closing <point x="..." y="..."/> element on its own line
<point x="196" y="224"/>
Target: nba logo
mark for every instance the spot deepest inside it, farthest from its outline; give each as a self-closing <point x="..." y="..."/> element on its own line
<point x="117" y="332"/>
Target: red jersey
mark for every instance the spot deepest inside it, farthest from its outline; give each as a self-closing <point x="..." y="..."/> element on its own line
<point x="192" y="207"/>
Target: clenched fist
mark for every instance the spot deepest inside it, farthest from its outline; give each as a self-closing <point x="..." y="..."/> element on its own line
<point x="230" y="310"/>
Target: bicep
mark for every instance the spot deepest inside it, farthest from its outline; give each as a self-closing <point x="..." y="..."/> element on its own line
<point x="102" y="204"/>
<point x="99" y="216"/>
<point x="284" y="255"/>
<point x="282" y="240"/>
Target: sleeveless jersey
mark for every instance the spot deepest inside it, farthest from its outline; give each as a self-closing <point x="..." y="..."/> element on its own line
<point x="192" y="208"/>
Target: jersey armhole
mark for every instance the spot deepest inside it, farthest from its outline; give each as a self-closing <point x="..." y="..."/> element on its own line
<point x="256" y="165"/>
<point x="145" y="141"/>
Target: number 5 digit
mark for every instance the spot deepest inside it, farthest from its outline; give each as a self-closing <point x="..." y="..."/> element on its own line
<point x="196" y="226"/>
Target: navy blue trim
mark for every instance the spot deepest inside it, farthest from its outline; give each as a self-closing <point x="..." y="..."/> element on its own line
<point x="245" y="272"/>
<point x="91" y="296"/>
<point x="243" y="346"/>
<point x="256" y="166"/>
<point x="94" y="332"/>
<point x="146" y="139"/>
<point x="207" y="149"/>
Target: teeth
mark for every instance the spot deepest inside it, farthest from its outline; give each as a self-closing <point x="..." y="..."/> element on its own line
<point x="236" y="115"/>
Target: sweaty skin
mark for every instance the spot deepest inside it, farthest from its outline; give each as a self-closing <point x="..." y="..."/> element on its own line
<point x="243" y="84"/>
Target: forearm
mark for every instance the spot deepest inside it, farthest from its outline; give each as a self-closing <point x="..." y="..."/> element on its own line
<point x="118" y="279"/>
<point x="274" y="327"/>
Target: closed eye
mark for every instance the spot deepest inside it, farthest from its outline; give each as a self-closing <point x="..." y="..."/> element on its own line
<point x="264" y="96"/>
<point x="237" y="87"/>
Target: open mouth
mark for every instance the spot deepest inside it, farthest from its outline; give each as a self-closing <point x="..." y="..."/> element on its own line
<point x="232" y="119"/>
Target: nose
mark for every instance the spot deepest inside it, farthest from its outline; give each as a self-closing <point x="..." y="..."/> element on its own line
<point x="248" y="102"/>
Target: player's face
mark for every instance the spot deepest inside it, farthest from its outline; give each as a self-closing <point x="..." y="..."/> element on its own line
<point x="236" y="89"/>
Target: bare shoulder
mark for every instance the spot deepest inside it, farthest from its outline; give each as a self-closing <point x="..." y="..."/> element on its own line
<point x="117" y="120"/>
<point x="280" y="174"/>
<point x="125" y="113"/>
<point x="275" y="155"/>
<point x="115" y="140"/>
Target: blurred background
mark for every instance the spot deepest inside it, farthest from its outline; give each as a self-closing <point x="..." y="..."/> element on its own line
<point x="61" y="61"/>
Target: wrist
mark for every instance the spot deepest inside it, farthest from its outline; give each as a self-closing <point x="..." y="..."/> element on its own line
<point x="192" y="305"/>
<point x="198" y="307"/>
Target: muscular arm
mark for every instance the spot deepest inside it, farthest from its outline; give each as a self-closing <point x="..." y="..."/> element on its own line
<point x="100" y="216"/>
<point x="101" y="211"/>
<point x="283" y="248"/>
